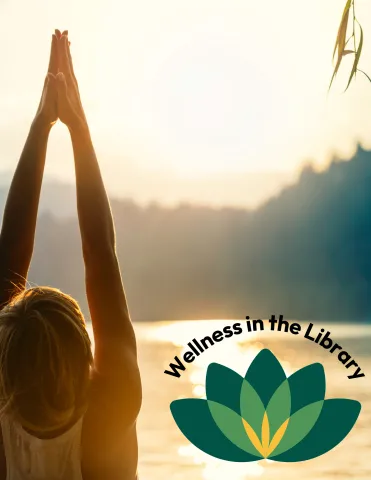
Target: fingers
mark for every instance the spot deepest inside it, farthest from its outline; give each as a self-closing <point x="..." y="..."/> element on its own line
<point x="48" y="79"/>
<point x="61" y="86"/>
<point x="50" y="87"/>
<point x="63" y="106"/>
<point x="63" y="58"/>
<point x="70" y="61"/>
<point x="48" y="101"/>
<point x="53" y="61"/>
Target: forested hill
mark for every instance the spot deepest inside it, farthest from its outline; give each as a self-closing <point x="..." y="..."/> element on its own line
<point x="304" y="254"/>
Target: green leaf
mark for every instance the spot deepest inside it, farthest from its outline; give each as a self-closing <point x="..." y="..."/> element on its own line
<point x="337" y="418"/>
<point x="349" y="39"/>
<point x="279" y="407"/>
<point x="340" y="39"/>
<point x="344" y="21"/>
<point x="300" y="424"/>
<point x="347" y="52"/>
<point x="223" y="385"/>
<point x="194" y="419"/>
<point x="230" y="424"/>
<point x="265" y="375"/>
<point x="343" y="33"/>
<point x="364" y="73"/>
<point x="333" y="76"/>
<point x="252" y="408"/>
<point x="307" y="385"/>
<point x="338" y="62"/>
<point x="357" y="57"/>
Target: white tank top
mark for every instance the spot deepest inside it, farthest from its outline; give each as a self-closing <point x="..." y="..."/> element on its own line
<point x="32" y="458"/>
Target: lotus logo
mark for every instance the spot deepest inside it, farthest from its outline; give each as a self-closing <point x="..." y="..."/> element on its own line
<point x="265" y="414"/>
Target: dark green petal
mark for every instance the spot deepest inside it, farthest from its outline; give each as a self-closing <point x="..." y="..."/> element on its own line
<point x="252" y="408"/>
<point x="279" y="407"/>
<point x="193" y="417"/>
<point x="336" y="420"/>
<point x="223" y="385"/>
<point x="300" y="424"/>
<point x="307" y="385"/>
<point x="265" y="374"/>
<point x="230" y="423"/>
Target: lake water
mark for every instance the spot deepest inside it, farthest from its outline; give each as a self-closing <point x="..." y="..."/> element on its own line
<point x="165" y="454"/>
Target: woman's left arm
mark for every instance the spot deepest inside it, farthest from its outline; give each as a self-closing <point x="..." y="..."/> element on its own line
<point x="20" y="214"/>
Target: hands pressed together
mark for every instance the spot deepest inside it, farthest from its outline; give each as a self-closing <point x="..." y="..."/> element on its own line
<point x="60" y="97"/>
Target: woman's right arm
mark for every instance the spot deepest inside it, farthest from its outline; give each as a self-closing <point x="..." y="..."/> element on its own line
<point x="115" y="356"/>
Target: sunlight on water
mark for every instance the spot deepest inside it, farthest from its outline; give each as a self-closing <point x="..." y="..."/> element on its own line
<point x="214" y="469"/>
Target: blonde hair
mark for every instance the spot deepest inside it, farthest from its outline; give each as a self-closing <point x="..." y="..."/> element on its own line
<point x="45" y="359"/>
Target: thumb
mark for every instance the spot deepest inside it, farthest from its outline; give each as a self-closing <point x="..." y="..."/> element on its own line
<point x="49" y="81"/>
<point x="49" y="85"/>
<point x="61" y="86"/>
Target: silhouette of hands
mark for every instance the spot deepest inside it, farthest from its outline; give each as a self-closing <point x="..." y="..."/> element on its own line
<point x="70" y="110"/>
<point x="47" y="113"/>
<point x="60" y="96"/>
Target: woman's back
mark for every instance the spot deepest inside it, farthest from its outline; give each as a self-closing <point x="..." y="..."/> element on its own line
<point x="29" y="457"/>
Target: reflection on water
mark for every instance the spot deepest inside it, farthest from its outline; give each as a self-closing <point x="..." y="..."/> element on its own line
<point x="164" y="451"/>
<point x="214" y="469"/>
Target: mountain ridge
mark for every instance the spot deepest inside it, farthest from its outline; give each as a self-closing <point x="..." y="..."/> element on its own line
<point x="305" y="253"/>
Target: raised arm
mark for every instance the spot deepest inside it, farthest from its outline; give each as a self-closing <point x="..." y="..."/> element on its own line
<point x="19" y="221"/>
<point x="115" y="346"/>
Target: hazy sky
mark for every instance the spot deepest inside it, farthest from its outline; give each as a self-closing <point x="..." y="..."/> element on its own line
<point x="212" y="101"/>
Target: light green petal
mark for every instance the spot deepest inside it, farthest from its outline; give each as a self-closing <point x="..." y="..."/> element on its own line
<point x="279" y="406"/>
<point x="300" y="424"/>
<point x="230" y="423"/>
<point x="252" y="408"/>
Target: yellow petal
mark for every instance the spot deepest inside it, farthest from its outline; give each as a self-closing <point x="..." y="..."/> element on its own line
<point x="265" y="434"/>
<point x="278" y="437"/>
<point x="253" y="437"/>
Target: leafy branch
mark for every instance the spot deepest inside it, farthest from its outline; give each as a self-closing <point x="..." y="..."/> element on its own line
<point x="341" y="43"/>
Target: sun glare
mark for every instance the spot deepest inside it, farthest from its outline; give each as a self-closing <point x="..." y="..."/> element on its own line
<point x="193" y="91"/>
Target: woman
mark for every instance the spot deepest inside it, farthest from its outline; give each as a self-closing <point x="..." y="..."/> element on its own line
<point x="64" y="414"/>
